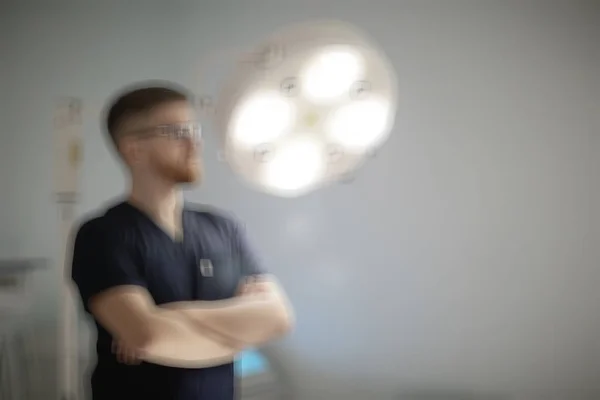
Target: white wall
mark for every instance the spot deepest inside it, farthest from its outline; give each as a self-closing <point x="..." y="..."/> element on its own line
<point x="462" y="259"/>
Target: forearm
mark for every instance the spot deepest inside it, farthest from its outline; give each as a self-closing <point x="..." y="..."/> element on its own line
<point x="165" y="337"/>
<point x="174" y="341"/>
<point x="250" y="320"/>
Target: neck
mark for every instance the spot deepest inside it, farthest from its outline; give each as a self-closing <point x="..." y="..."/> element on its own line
<point x="161" y="200"/>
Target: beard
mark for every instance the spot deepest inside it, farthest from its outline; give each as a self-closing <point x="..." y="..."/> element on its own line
<point x="182" y="172"/>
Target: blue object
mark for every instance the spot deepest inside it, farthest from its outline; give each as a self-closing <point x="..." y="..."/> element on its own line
<point x="251" y="362"/>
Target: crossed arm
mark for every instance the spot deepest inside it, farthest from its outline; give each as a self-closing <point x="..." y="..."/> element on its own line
<point x="193" y="334"/>
<point x="185" y="334"/>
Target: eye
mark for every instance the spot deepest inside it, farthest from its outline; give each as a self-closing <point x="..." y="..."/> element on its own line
<point x="166" y="130"/>
<point x="183" y="132"/>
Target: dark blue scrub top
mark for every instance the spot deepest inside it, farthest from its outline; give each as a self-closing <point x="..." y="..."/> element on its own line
<point x="125" y="247"/>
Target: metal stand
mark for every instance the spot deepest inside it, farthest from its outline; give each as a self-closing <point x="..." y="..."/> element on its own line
<point x="68" y="332"/>
<point x="68" y="153"/>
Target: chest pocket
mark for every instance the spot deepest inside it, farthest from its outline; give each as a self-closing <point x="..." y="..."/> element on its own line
<point x="219" y="275"/>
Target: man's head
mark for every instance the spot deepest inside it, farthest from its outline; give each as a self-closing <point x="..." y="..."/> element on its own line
<point x="154" y="129"/>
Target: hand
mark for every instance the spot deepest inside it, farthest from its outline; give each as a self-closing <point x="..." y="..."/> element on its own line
<point x="253" y="285"/>
<point x="125" y="355"/>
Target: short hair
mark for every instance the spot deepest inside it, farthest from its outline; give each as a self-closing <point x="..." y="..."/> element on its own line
<point x="139" y="98"/>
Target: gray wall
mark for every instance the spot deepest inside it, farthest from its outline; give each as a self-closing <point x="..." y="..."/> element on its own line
<point x="462" y="259"/>
<point x="5" y="162"/>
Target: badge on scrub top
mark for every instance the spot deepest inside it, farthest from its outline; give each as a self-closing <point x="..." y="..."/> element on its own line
<point x="206" y="268"/>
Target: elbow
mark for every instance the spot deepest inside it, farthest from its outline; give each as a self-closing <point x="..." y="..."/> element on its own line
<point x="285" y="327"/>
<point x="289" y="321"/>
<point x="143" y="341"/>
<point x="284" y="317"/>
<point x="140" y="338"/>
<point x="285" y="322"/>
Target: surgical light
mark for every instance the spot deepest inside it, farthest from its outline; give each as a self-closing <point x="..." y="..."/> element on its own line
<point x="306" y="108"/>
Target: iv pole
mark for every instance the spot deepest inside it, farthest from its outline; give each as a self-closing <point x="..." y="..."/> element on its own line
<point x="68" y="149"/>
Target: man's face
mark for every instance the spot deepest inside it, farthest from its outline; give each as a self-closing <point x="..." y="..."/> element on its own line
<point x="166" y="142"/>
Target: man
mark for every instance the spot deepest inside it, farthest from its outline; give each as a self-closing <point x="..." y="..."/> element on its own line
<point x="168" y="283"/>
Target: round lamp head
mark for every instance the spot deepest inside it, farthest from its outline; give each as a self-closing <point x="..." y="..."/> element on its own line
<point x="307" y="108"/>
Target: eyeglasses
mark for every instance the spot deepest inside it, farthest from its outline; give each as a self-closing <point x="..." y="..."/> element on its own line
<point x="187" y="130"/>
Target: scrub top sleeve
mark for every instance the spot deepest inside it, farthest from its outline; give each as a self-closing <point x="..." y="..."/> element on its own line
<point x="102" y="259"/>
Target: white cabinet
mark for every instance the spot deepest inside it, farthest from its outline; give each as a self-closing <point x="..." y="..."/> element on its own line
<point x="16" y="298"/>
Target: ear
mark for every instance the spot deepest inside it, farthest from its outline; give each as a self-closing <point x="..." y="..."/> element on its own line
<point x="130" y="150"/>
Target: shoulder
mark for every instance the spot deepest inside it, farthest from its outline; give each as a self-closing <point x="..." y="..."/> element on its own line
<point x="101" y="224"/>
<point x="89" y="229"/>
